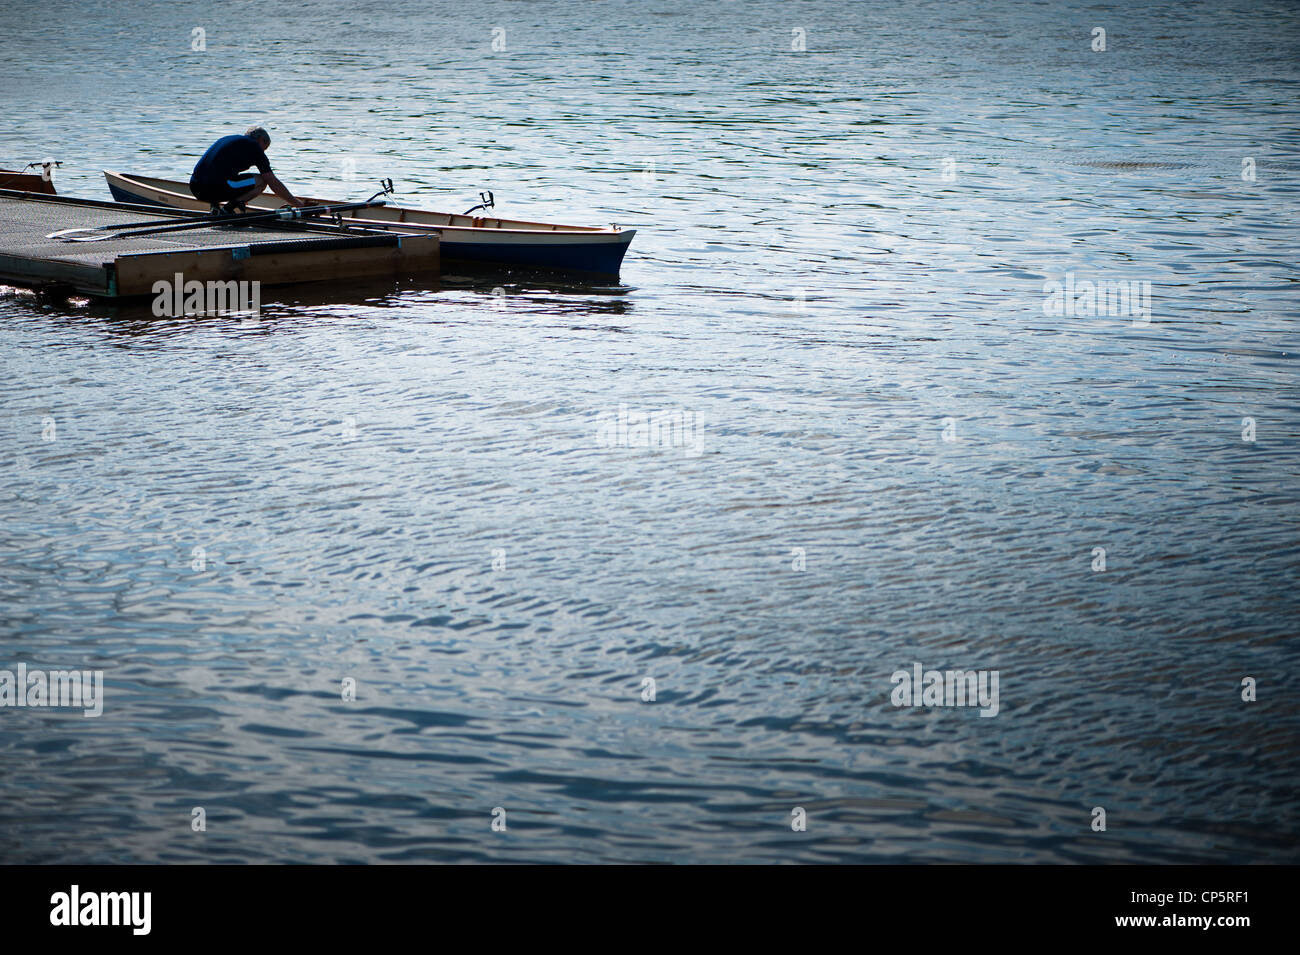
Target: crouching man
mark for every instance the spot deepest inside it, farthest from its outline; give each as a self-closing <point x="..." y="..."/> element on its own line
<point x="224" y="179"/>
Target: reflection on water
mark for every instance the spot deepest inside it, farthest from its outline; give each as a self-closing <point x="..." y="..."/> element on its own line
<point x="823" y="430"/>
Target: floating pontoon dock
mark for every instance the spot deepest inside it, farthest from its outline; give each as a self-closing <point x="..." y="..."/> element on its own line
<point x="276" y="254"/>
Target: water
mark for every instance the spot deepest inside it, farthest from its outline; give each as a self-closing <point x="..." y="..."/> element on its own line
<point x="815" y="286"/>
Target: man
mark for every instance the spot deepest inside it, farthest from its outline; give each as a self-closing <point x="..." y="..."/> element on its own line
<point x="219" y="176"/>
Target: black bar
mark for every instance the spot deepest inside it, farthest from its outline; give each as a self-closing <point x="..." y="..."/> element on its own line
<point x="942" y="908"/>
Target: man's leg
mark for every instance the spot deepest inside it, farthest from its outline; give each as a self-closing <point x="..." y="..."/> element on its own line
<point x="246" y="189"/>
<point x="213" y="197"/>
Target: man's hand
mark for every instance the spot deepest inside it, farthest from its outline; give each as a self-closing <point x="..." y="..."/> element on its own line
<point x="280" y="190"/>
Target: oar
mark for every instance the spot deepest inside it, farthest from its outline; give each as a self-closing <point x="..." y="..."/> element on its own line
<point x="104" y="233"/>
<point x="182" y="215"/>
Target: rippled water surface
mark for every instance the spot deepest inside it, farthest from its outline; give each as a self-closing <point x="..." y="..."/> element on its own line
<point x="841" y="262"/>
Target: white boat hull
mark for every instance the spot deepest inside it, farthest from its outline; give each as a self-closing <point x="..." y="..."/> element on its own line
<point x="475" y="240"/>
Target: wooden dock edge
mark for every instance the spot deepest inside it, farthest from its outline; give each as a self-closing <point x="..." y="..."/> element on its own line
<point x="24" y="272"/>
<point x="283" y="263"/>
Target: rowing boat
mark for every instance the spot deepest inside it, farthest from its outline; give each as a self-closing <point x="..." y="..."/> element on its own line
<point x="26" y="182"/>
<point x="471" y="239"/>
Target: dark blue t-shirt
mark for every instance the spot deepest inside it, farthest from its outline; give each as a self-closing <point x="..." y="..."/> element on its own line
<point x="227" y="157"/>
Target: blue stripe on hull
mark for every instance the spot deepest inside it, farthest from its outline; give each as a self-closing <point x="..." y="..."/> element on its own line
<point x="121" y="195"/>
<point x="603" y="258"/>
<point x="600" y="257"/>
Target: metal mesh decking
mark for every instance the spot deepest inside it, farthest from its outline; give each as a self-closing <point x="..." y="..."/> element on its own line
<point x="25" y="223"/>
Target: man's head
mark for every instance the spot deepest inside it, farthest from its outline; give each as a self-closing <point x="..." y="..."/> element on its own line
<point x="260" y="135"/>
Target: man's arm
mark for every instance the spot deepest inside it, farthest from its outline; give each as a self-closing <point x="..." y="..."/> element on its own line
<point x="281" y="190"/>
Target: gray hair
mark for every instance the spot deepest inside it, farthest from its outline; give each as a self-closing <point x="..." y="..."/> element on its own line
<point x="258" y="133"/>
